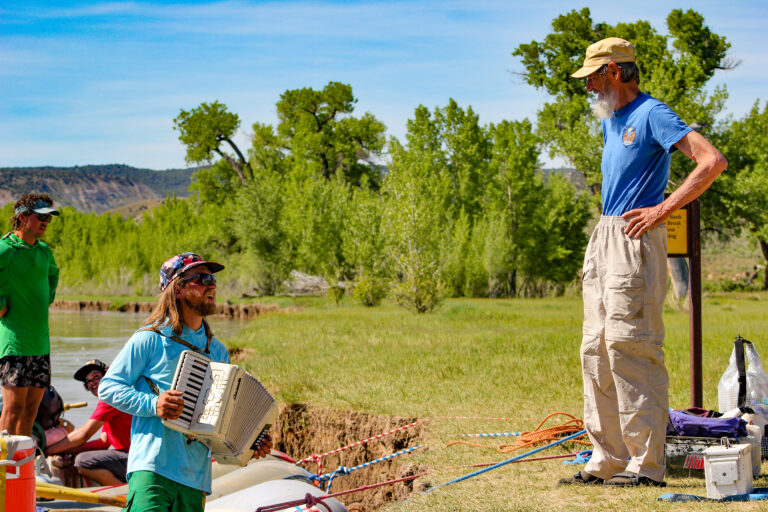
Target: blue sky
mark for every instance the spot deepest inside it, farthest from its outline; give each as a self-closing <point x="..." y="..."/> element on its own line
<point x="100" y="82"/>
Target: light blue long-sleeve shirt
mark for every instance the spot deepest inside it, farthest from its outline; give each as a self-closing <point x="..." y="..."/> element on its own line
<point x="155" y="447"/>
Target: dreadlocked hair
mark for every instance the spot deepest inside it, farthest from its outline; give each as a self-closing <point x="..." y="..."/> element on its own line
<point x="168" y="311"/>
<point x="29" y="201"/>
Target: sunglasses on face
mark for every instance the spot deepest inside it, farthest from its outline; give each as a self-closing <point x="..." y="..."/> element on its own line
<point x="44" y="217"/>
<point x="203" y="279"/>
<point x="91" y="380"/>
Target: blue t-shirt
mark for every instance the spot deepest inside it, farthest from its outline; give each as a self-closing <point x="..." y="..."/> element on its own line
<point x="155" y="447"/>
<point x="638" y="144"/>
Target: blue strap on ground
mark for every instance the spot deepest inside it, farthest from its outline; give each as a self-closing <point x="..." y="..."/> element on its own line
<point x="503" y="463"/>
<point x="493" y="434"/>
<point x="342" y="470"/>
<point x="582" y="458"/>
<point x="757" y="494"/>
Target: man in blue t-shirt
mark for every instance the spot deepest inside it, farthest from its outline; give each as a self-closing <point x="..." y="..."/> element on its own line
<point x="167" y="471"/>
<point x="625" y="275"/>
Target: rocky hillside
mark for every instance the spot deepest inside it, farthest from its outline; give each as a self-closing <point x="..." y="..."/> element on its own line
<point x="94" y="188"/>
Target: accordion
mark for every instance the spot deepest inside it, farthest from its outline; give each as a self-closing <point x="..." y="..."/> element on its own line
<point x="224" y="407"/>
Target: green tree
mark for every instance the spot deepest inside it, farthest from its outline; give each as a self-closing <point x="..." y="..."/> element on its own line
<point x="535" y="226"/>
<point x="363" y="237"/>
<point x="316" y="130"/>
<point x="674" y="69"/>
<point x="557" y="255"/>
<point x="456" y="256"/>
<point x="313" y="218"/>
<point x="453" y="151"/>
<point x="484" y="203"/>
<point x="516" y="191"/>
<point x="745" y="185"/>
<point x="364" y="246"/>
<point x="217" y="184"/>
<point x="414" y="224"/>
<point x="205" y="129"/>
<point x="259" y="230"/>
<point x="453" y="145"/>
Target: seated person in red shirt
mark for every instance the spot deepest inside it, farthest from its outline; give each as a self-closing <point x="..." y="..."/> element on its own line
<point x="103" y="460"/>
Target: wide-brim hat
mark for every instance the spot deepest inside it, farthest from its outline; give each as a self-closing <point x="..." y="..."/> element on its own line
<point x="612" y="49"/>
<point x="179" y="264"/>
<point x="88" y="367"/>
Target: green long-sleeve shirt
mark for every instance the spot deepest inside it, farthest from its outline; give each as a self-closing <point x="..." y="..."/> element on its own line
<point x="28" y="279"/>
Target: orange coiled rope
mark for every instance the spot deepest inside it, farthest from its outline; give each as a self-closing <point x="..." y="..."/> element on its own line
<point x="538" y="435"/>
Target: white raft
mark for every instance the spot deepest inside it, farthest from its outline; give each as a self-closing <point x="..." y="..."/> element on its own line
<point x="272" y="493"/>
<point x="256" y="472"/>
<point x="237" y="489"/>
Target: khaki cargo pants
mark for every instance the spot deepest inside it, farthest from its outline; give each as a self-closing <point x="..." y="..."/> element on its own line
<point x="622" y="350"/>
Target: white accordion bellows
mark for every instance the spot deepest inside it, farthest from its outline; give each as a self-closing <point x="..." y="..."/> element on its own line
<point x="224" y="407"/>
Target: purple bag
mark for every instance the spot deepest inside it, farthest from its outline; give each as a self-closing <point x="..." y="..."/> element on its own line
<point x="682" y="424"/>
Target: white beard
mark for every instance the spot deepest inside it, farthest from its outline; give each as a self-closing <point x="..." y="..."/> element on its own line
<point x="603" y="106"/>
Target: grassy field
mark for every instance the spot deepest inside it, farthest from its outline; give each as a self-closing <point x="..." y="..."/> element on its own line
<point x="487" y="358"/>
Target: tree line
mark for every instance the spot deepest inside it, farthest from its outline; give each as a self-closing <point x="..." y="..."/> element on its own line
<point x="460" y="209"/>
<point x="457" y="208"/>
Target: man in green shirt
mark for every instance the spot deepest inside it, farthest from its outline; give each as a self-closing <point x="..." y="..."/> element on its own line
<point x="28" y="279"/>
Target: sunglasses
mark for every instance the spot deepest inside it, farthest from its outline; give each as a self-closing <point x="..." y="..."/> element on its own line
<point x="203" y="279"/>
<point x="44" y="217"/>
<point x="92" y="379"/>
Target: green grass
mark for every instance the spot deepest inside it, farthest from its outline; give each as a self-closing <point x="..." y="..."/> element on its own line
<point x="509" y="358"/>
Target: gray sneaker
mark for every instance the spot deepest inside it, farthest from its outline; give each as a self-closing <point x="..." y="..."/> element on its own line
<point x="581" y="478"/>
<point x="633" y="480"/>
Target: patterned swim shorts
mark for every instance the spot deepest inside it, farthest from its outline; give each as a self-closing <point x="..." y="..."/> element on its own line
<point x="25" y="371"/>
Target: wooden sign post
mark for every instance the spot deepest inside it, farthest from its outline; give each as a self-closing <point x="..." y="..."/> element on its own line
<point x="684" y="241"/>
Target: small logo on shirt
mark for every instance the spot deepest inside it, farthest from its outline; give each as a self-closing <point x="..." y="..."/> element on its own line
<point x="629" y="136"/>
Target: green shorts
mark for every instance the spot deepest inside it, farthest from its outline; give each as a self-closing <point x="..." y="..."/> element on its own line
<point x="150" y="492"/>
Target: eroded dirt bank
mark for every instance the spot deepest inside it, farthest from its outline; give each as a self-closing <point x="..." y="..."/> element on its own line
<point x="303" y="430"/>
<point x="222" y="310"/>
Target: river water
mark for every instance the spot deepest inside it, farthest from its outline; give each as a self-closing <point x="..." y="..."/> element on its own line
<point x="78" y="336"/>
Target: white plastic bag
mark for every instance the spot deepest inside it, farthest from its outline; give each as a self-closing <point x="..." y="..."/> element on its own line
<point x="756" y="382"/>
<point x="755" y="392"/>
<point x="728" y="388"/>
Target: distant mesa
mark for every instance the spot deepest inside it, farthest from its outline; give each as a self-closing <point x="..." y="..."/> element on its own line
<point x="122" y="189"/>
<point x="97" y="188"/>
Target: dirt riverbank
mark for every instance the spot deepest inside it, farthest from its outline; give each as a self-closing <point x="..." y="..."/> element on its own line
<point x="222" y="310"/>
<point x="303" y="430"/>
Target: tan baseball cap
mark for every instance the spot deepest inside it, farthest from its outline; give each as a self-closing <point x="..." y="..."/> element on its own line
<point x="612" y="49"/>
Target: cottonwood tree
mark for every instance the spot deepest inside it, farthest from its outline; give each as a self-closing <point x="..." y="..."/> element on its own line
<point x="317" y="132"/>
<point x="536" y="225"/>
<point x="452" y="151"/>
<point x="487" y="209"/>
<point x="414" y="224"/>
<point x="744" y="143"/>
<point x="454" y="147"/>
<point x="207" y="130"/>
<point x="674" y="69"/>
<point x="364" y="246"/>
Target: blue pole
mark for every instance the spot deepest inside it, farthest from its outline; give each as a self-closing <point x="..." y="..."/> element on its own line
<point x="503" y="463"/>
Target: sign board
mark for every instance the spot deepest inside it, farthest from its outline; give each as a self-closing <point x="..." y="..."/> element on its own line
<point x="678" y="237"/>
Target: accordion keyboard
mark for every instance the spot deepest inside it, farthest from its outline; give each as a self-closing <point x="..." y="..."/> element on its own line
<point x="191" y="382"/>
